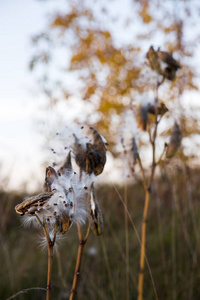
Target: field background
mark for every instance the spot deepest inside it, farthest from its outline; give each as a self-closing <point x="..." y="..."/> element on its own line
<point x="173" y="245"/>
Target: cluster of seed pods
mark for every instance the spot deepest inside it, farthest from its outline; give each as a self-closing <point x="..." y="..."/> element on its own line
<point x="69" y="196"/>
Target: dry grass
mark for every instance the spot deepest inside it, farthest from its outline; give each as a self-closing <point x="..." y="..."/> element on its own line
<point x="173" y="246"/>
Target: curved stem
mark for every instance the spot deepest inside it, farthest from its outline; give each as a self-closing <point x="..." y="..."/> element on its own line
<point x="82" y="242"/>
<point x="50" y="245"/>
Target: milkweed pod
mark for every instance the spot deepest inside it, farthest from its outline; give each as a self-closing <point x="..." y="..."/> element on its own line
<point x="80" y="154"/>
<point x="33" y="204"/>
<point x="161" y="109"/>
<point x="93" y="158"/>
<point x="163" y="63"/>
<point x="50" y="177"/>
<point x="142" y="117"/>
<point x="97" y="152"/>
<point x="175" y="141"/>
<point x="134" y="150"/>
<point x="95" y="214"/>
<point x="99" y="143"/>
<point x="172" y="65"/>
<point x="168" y="59"/>
<point x="154" y="60"/>
<point x="65" y="223"/>
<point x="67" y="166"/>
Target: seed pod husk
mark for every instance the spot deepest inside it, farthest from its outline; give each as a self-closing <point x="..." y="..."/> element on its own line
<point x="157" y="58"/>
<point x="161" y="109"/>
<point x="134" y="150"/>
<point x="31" y="204"/>
<point x="64" y="223"/>
<point x="154" y="60"/>
<point x="67" y="166"/>
<point x="142" y="117"/>
<point x="50" y="177"/>
<point x="93" y="158"/>
<point x="168" y="59"/>
<point x="95" y="214"/>
<point x="168" y="71"/>
<point x="175" y="141"/>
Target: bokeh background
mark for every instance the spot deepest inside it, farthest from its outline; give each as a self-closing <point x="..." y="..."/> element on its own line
<point x="84" y="62"/>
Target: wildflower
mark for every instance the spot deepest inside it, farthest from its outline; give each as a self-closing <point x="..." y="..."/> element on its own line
<point x="175" y="141"/>
<point x="163" y="63"/>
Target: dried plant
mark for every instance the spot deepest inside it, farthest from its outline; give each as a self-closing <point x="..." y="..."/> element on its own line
<point x="175" y="141"/>
<point x="69" y="197"/>
<point x="163" y="63"/>
<point x="148" y="116"/>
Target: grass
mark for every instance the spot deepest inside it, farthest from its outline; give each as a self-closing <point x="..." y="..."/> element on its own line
<point x="173" y="246"/>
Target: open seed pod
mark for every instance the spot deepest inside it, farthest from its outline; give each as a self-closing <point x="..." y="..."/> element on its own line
<point x="142" y="117"/>
<point x="57" y="205"/>
<point x="163" y="63"/>
<point x="93" y="158"/>
<point x="134" y="149"/>
<point x="65" y="219"/>
<point x="154" y="60"/>
<point x="172" y="65"/>
<point x="175" y="141"/>
<point x="95" y="214"/>
<point x="64" y="223"/>
<point x="51" y="175"/>
<point x="66" y="169"/>
<point x="33" y="204"/>
<point x="161" y="109"/>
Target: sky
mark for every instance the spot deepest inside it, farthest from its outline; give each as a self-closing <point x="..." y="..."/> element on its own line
<point x="22" y="152"/>
<point x="20" y="143"/>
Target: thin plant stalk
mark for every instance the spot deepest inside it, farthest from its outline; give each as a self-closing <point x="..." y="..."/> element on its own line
<point x="163" y="254"/>
<point x="145" y="212"/>
<point x="119" y="246"/>
<point x="143" y="244"/>
<point x="50" y="245"/>
<point x="147" y="188"/>
<point x="112" y="288"/>
<point x="82" y="242"/>
<point x="126" y="241"/>
<point x="139" y="240"/>
<point x="49" y="273"/>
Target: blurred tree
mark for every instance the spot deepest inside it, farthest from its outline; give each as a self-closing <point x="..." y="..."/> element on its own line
<point x="95" y="51"/>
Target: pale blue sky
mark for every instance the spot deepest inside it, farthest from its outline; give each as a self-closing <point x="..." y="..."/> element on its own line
<point x="19" y="141"/>
<point x="21" y="154"/>
<point x="21" y="146"/>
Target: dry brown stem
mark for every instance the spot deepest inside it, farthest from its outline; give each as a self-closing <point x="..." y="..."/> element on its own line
<point x="82" y="242"/>
<point x="127" y="240"/>
<point x="50" y="245"/>
<point x="147" y="188"/>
